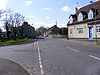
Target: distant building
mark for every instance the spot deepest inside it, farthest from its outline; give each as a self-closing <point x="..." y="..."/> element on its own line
<point x="85" y="23"/>
<point x="52" y="31"/>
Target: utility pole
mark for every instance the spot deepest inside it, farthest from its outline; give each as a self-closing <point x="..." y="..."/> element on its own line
<point x="56" y="22"/>
<point x="56" y="29"/>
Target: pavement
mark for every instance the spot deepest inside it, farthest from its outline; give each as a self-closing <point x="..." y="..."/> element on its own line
<point x="9" y="67"/>
<point x="88" y="42"/>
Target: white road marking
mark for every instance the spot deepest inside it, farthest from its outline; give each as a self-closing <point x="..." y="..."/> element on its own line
<point x="41" y="66"/>
<point x="73" y="49"/>
<point x="34" y="43"/>
<point x="40" y="62"/>
<point x="39" y="59"/>
<point x="42" y="72"/>
<point x="94" y="57"/>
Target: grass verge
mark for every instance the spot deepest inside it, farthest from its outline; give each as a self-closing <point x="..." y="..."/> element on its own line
<point x="98" y="42"/>
<point x="60" y="36"/>
<point x="13" y="41"/>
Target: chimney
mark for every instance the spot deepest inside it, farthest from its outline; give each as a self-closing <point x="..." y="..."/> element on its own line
<point x="97" y="0"/>
<point x="76" y="9"/>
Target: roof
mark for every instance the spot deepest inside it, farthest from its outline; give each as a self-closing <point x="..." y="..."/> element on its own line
<point x="84" y="10"/>
<point x="53" y="27"/>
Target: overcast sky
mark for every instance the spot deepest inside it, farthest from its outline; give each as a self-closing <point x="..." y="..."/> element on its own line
<point x="44" y="12"/>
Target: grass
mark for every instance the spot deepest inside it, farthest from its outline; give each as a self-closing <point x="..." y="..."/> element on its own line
<point x="60" y="36"/>
<point x="98" y="42"/>
<point x="13" y="41"/>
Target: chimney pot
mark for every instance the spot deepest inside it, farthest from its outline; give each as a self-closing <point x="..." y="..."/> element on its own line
<point x="76" y="9"/>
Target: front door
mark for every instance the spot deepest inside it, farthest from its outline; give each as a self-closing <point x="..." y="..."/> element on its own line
<point x="90" y="32"/>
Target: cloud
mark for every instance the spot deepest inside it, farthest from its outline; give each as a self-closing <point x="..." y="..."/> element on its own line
<point x="30" y="17"/>
<point x="28" y="3"/>
<point x="3" y="4"/>
<point x="47" y="17"/>
<point x="48" y="9"/>
<point x="37" y="24"/>
<point x="40" y="23"/>
<point x="47" y="25"/>
<point x="66" y="9"/>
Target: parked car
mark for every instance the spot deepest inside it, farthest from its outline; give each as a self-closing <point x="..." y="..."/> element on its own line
<point x="41" y="37"/>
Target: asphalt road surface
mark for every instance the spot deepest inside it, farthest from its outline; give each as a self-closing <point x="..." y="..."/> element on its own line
<point x="54" y="56"/>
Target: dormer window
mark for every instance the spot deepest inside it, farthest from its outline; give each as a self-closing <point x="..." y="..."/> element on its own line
<point x="80" y="17"/>
<point x="90" y="14"/>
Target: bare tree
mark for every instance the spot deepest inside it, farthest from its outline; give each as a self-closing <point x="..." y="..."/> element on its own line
<point x="0" y="32"/>
<point x="0" y="19"/>
<point x="16" y="20"/>
<point x="12" y="21"/>
<point x="6" y="21"/>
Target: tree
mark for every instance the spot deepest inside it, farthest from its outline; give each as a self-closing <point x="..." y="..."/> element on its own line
<point x="7" y="27"/>
<point x="12" y="21"/>
<point x="0" y="32"/>
<point x="6" y="20"/>
<point x="21" y="29"/>
<point x="16" y="20"/>
<point x="1" y="12"/>
<point x="41" y="30"/>
<point x="63" y="31"/>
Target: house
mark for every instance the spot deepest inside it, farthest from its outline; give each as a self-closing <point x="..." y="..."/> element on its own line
<point x="85" y="23"/>
<point x="52" y="31"/>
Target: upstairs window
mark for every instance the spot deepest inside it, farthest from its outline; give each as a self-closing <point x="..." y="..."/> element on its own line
<point x="80" y="17"/>
<point x="80" y="30"/>
<point x="90" y="14"/>
<point x="71" y="31"/>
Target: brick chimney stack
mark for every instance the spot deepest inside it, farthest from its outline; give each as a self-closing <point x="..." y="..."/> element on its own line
<point x="97" y="0"/>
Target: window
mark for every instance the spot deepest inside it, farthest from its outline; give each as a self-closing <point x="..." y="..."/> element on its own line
<point x="98" y="29"/>
<point x="90" y="14"/>
<point x="80" y="17"/>
<point x="80" y="30"/>
<point x="71" y="31"/>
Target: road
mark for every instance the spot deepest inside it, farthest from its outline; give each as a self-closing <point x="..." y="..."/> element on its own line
<point x="55" y="56"/>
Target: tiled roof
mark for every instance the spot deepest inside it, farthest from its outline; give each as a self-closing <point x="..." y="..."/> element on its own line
<point x="94" y="6"/>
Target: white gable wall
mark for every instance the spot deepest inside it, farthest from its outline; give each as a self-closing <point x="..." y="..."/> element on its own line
<point x="90" y="14"/>
<point x="80" y="17"/>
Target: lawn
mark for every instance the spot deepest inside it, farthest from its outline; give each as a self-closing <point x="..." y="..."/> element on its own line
<point x="13" y="41"/>
<point x="98" y="42"/>
<point x="60" y="36"/>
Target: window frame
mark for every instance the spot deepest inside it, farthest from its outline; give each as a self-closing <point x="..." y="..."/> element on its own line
<point x="80" y="30"/>
<point x="98" y="29"/>
<point x="90" y="14"/>
<point x="71" y="31"/>
<point x="80" y="17"/>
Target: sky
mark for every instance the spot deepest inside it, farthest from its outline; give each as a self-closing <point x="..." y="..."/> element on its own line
<point x="44" y="12"/>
